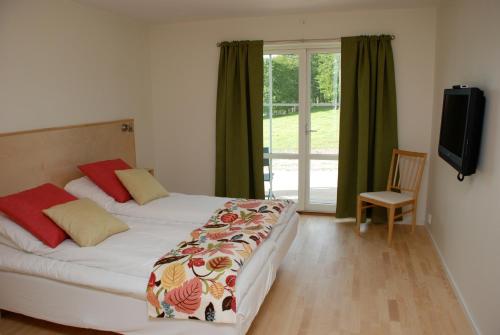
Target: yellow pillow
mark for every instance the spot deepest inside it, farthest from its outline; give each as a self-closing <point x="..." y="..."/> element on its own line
<point x="85" y="222"/>
<point x="142" y="185"/>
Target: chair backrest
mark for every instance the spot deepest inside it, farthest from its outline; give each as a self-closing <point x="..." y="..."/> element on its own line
<point x="406" y="171"/>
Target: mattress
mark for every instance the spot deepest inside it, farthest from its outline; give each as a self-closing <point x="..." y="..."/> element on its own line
<point x="123" y="262"/>
<point x="95" y="289"/>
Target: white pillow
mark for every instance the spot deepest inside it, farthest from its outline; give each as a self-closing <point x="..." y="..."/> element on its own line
<point x="85" y="188"/>
<point x="7" y="241"/>
<point x="15" y="236"/>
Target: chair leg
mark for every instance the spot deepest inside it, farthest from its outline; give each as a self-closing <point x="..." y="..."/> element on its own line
<point x="359" y="212"/>
<point x="414" y="217"/>
<point x="391" y="224"/>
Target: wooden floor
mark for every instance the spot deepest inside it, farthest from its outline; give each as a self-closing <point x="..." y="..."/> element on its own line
<point x="333" y="282"/>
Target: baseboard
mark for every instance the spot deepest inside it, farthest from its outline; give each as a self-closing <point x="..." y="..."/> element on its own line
<point x="398" y="222"/>
<point x="454" y="285"/>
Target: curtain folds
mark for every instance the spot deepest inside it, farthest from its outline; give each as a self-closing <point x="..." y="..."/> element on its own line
<point x="239" y="134"/>
<point x="368" y="120"/>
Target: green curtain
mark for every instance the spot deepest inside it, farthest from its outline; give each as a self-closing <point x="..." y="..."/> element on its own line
<point x="368" y="120"/>
<point x="239" y="134"/>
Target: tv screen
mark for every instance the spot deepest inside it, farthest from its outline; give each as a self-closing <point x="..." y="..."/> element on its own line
<point x="453" y="123"/>
<point x="461" y="126"/>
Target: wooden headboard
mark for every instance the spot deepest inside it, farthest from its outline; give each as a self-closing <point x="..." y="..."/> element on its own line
<point x="33" y="157"/>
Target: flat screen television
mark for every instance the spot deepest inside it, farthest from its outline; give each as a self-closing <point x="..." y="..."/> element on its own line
<point x="461" y="127"/>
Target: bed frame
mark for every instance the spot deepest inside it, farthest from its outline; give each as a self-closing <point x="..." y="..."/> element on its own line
<point x="33" y="157"/>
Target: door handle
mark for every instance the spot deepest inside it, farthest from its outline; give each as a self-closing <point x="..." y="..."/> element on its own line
<point x="309" y="130"/>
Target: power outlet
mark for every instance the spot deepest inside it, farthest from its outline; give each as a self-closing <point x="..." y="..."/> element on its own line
<point x="429" y="218"/>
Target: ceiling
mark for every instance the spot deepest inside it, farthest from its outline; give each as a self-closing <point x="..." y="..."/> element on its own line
<point x="181" y="10"/>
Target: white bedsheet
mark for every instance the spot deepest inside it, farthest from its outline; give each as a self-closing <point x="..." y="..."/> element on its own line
<point x="126" y="258"/>
<point x="177" y="207"/>
<point x="25" y="290"/>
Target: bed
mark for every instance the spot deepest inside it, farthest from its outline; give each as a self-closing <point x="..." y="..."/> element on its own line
<point x="103" y="287"/>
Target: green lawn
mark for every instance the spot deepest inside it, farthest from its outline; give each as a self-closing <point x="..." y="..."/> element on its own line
<point x="286" y="132"/>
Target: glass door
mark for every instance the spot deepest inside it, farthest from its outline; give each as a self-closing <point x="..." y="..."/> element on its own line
<point x="301" y="114"/>
<point x="322" y="129"/>
<point x="281" y="125"/>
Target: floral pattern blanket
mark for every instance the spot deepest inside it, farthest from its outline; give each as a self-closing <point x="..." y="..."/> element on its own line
<point x="197" y="279"/>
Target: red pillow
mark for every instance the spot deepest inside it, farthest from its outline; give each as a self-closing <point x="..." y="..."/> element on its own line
<point x="103" y="175"/>
<point x="25" y="208"/>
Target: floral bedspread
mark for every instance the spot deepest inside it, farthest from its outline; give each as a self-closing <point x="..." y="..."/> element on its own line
<point x="197" y="279"/>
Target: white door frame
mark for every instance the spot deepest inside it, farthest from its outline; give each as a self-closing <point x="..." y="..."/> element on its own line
<point x="304" y="51"/>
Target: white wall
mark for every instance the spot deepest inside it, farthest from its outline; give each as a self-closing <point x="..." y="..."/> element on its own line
<point x="65" y="63"/>
<point x="184" y="61"/>
<point x="465" y="222"/>
<point x="62" y="63"/>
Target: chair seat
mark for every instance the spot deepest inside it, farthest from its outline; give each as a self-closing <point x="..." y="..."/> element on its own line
<point x="388" y="197"/>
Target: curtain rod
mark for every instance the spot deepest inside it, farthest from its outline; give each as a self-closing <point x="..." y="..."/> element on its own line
<point x="305" y="40"/>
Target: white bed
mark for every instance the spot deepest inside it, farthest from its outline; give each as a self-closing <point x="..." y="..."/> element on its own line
<point x="177" y="207"/>
<point x="103" y="287"/>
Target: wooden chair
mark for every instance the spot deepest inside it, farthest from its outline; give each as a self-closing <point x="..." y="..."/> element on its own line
<point x="403" y="186"/>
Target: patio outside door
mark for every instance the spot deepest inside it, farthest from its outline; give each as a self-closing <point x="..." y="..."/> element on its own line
<point x="301" y="118"/>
